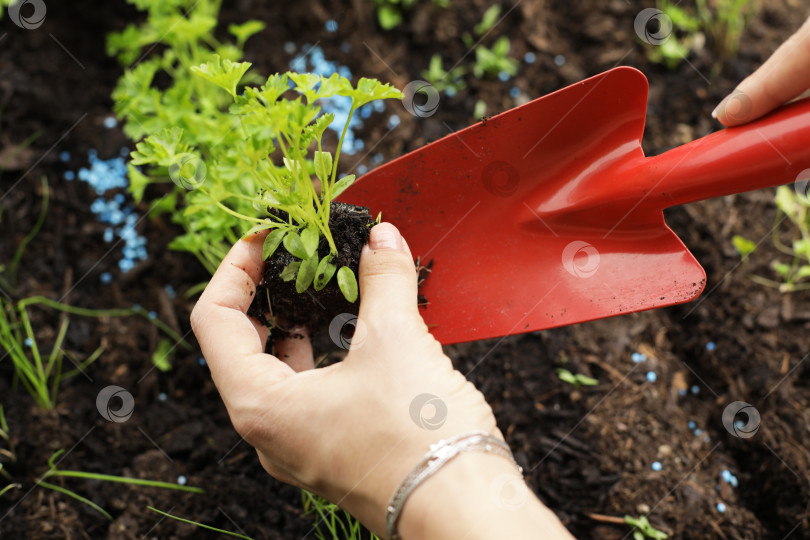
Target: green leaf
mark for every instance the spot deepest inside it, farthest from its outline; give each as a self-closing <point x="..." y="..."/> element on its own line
<point x="334" y="85"/>
<point x="305" y="84"/>
<point x="259" y="227"/>
<point x="224" y="73"/>
<point x="162" y="357"/>
<point x="787" y="201"/>
<point x="488" y="20"/>
<point x="802" y="272"/>
<point x="317" y="128"/>
<point x="371" y="89"/>
<point x="137" y="182"/>
<point x="341" y="185"/>
<point x="783" y="269"/>
<point x="306" y="273"/>
<point x="272" y="242"/>
<point x="309" y="239"/>
<point x="389" y="17"/>
<point x="159" y="149"/>
<point x="323" y="165"/>
<point x="294" y="245"/>
<point x="244" y="31"/>
<point x="743" y="245"/>
<point x="347" y="283"/>
<point x="290" y="271"/>
<point x="323" y="274"/>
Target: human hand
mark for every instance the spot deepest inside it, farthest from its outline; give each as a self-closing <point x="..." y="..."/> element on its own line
<point x="345" y="431"/>
<point x="783" y="77"/>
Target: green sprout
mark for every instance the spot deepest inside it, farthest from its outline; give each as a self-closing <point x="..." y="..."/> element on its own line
<point x="391" y="12"/>
<point x="793" y="209"/>
<point x="489" y="63"/>
<point x="284" y="197"/>
<point x="643" y="529"/>
<point x="242" y="157"/>
<point x="449" y="82"/>
<point x="488" y="20"/>
<point x="41" y="373"/>
<point x="723" y="21"/>
<point x="190" y="522"/>
<point x="575" y="380"/>
<point x="54" y="472"/>
<point x="339" y="524"/>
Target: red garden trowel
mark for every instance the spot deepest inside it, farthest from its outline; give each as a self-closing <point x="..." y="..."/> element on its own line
<point x="550" y="214"/>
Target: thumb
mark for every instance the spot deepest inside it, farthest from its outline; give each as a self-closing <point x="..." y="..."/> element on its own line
<point x="387" y="275"/>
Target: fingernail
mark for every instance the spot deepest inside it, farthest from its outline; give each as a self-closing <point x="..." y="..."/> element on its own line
<point x="717" y="110"/>
<point x="385" y="236"/>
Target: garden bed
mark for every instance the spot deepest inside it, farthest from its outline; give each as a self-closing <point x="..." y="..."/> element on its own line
<point x="587" y="452"/>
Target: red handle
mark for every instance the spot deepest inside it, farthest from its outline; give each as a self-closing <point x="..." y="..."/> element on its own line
<point x="769" y="152"/>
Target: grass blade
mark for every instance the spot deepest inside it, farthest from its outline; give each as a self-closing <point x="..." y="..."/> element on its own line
<point x="76" y="496"/>
<point x="199" y="524"/>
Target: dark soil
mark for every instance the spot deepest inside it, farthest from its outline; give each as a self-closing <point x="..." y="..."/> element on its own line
<point x="587" y="452"/>
<point x="350" y="226"/>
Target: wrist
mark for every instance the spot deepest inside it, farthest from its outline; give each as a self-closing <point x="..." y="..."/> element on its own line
<point x="477" y="495"/>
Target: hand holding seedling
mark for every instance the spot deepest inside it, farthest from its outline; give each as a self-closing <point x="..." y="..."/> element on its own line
<point x="345" y="431"/>
<point x="783" y="77"/>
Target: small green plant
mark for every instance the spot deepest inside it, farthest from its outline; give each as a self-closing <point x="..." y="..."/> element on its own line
<point x="722" y="21"/>
<point x="242" y="157"/>
<point x="488" y="20"/>
<point x="490" y="63"/>
<point x="190" y="522"/>
<point x="284" y="196"/>
<point x="41" y="373"/>
<point x="575" y="380"/>
<point x="54" y="472"/>
<point x="391" y="12"/>
<point x="643" y="529"/>
<point x="448" y="82"/>
<point x="794" y="274"/>
<point x="339" y="524"/>
<point x="686" y="36"/>
<point x="176" y="36"/>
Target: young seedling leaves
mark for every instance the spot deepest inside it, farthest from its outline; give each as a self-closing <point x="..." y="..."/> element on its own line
<point x="342" y="184"/>
<point x="347" y="283"/>
<point x="326" y="269"/>
<point x="160" y="148"/>
<point x="317" y="128"/>
<point x="371" y="89"/>
<point x="243" y="31"/>
<point x="306" y="273"/>
<point x="293" y="244"/>
<point x="323" y="165"/>
<point x="259" y="227"/>
<point x="162" y="357"/>
<point x="309" y="239"/>
<point x="333" y="86"/>
<point x="272" y="242"/>
<point x="224" y="73"/>
<point x="290" y="271"/>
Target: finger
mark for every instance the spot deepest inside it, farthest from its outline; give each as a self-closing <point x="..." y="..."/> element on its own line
<point x="230" y="342"/>
<point x="295" y="349"/>
<point x="387" y="275"/>
<point x="784" y="76"/>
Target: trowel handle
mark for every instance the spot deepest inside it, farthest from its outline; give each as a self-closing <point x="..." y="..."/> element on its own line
<point x="771" y="151"/>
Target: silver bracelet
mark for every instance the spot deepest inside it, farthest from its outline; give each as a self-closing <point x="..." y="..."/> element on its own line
<point x="439" y="455"/>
